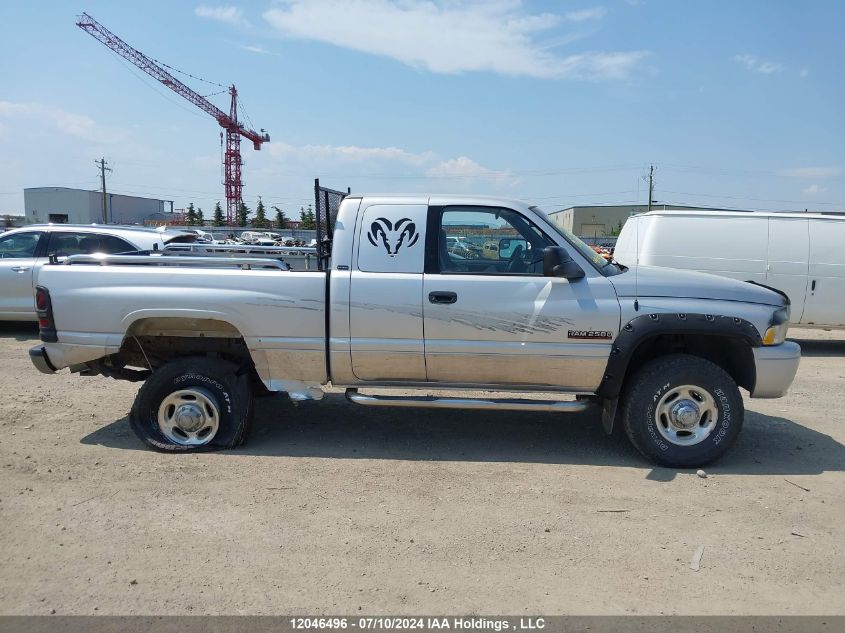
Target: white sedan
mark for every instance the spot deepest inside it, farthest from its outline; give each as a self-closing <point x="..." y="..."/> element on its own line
<point x="23" y="251"/>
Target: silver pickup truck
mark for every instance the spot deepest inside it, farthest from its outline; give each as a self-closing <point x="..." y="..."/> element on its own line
<point x="424" y="293"/>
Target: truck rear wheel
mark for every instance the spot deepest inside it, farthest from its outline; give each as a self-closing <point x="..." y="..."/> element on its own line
<point x="193" y="404"/>
<point x="682" y="411"/>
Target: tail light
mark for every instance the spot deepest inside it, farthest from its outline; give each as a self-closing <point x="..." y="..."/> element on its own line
<point x="44" y="310"/>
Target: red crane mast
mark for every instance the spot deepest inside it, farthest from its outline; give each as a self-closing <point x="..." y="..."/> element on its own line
<point x="229" y="122"/>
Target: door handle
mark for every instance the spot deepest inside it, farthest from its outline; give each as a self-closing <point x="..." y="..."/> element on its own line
<point x="442" y="297"/>
<point x="19" y="269"/>
<point x="812" y="287"/>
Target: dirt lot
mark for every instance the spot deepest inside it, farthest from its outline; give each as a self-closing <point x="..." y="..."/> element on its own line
<point x="336" y="509"/>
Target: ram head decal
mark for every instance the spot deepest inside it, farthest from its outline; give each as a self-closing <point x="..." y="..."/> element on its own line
<point x="393" y="236"/>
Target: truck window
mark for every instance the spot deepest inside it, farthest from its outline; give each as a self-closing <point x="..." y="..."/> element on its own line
<point x="489" y="241"/>
<point x="65" y="243"/>
<point x="19" y="245"/>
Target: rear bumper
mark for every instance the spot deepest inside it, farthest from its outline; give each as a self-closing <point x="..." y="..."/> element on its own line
<point x="776" y="367"/>
<point x="39" y="358"/>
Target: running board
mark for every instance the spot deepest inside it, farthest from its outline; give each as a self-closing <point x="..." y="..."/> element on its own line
<point x="436" y="402"/>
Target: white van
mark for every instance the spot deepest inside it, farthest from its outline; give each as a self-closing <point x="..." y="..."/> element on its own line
<point x="801" y="254"/>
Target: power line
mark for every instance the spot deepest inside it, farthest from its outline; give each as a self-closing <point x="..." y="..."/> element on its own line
<point x="153" y="88"/>
<point x="707" y="195"/>
<point x="182" y="72"/>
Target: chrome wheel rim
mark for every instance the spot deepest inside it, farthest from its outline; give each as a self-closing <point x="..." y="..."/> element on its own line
<point x="686" y="415"/>
<point x="189" y="417"/>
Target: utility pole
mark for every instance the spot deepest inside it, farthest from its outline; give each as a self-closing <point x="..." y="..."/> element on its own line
<point x="650" y="186"/>
<point x="103" y="169"/>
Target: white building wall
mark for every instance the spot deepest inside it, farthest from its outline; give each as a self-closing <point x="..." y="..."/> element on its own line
<point x="80" y="206"/>
<point x="132" y="209"/>
<point x="41" y="203"/>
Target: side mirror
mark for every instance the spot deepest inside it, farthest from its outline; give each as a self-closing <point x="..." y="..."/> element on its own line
<point x="558" y="263"/>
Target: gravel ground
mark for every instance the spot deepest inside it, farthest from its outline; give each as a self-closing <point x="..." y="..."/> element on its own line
<point x="336" y="509"/>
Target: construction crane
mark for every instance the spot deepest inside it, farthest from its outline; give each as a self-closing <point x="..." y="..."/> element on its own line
<point x="229" y="122"/>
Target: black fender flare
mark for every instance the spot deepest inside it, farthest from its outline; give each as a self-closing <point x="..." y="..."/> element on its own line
<point x="647" y="326"/>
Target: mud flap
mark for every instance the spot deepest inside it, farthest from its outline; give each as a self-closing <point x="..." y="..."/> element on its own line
<point x="608" y="414"/>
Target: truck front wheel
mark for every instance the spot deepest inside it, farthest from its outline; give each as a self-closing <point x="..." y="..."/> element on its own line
<point x="682" y="411"/>
<point x="193" y="404"/>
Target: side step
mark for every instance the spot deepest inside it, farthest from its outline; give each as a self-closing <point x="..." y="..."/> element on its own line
<point x="437" y="402"/>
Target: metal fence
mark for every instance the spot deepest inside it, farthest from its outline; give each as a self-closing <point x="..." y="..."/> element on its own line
<point x="600" y="240"/>
<point x="326" y="205"/>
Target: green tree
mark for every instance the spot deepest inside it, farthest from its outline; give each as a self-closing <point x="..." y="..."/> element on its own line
<point x="218" y="219"/>
<point x="306" y="218"/>
<point x="615" y="232"/>
<point x="260" y="221"/>
<point x="281" y="219"/>
<point x="243" y="214"/>
<point x="191" y="215"/>
<point x="200" y="219"/>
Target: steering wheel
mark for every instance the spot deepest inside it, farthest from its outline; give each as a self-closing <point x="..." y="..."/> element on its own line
<point x="514" y="260"/>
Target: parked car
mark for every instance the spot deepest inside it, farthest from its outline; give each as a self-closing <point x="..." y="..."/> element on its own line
<point x="202" y="237"/>
<point x="666" y="349"/>
<point x="801" y="254"/>
<point x="257" y="238"/>
<point x="23" y="251"/>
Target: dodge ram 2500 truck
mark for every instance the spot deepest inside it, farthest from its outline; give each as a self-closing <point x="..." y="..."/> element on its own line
<point x="415" y="296"/>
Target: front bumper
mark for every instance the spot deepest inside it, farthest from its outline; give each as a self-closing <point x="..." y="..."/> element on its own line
<point x="39" y="358"/>
<point x="776" y="367"/>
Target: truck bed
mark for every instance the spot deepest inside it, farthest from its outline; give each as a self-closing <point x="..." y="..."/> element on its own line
<point x="280" y="315"/>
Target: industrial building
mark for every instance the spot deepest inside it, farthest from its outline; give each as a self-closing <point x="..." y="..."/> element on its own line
<point x="62" y="205"/>
<point x="607" y="220"/>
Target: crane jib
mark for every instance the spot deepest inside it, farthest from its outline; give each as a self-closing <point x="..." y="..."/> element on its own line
<point x="232" y="156"/>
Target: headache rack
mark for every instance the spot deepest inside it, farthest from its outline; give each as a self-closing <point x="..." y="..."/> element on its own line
<point x="231" y="250"/>
<point x="298" y="257"/>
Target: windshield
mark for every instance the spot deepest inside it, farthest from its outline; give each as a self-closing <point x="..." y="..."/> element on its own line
<point x="597" y="260"/>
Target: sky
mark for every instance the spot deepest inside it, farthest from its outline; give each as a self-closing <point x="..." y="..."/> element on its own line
<point x="737" y="104"/>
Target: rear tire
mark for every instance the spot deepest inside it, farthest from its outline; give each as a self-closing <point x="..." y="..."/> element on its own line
<point x="193" y="404"/>
<point x="682" y="411"/>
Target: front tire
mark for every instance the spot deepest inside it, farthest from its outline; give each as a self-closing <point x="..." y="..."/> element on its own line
<point x="193" y="404"/>
<point x="682" y="411"/>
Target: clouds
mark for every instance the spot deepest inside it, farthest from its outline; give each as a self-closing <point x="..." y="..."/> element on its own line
<point x="454" y="37"/>
<point x="256" y="49"/>
<point x="811" y="172"/>
<point x="813" y="190"/>
<point x="757" y="65"/>
<point x="596" y="13"/>
<point x="226" y="14"/>
<point x="349" y="154"/>
<point x="79" y="126"/>
<point x="383" y="163"/>
<point x="464" y="168"/>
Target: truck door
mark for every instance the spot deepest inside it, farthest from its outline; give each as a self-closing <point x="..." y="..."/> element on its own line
<point x="786" y="268"/>
<point x="19" y="255"/>
<point x="385" y="303"/>
<point x="492" y="318"/>
<point x="825" y="304"/>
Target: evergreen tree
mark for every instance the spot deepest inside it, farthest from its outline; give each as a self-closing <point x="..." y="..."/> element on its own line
<point x="243" y="214"/>
<point x="260" y="221"/>
<point x="306" y="218"/>
<point x="191" y="215"/>
<point x="200" y="218"/>
<point x="281" y="219"/>
<point x="219" y="219"/>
